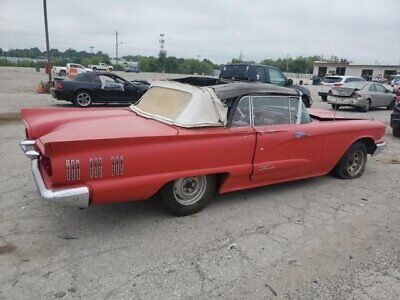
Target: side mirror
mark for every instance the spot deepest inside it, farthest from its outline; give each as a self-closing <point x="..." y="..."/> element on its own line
<point x="289" y="82"/>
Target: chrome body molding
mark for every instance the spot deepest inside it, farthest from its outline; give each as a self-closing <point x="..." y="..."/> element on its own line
<point x="117" y="165"/>
<point x="96" y="167"/>
<point x="379" y="148"/>
<point x="73" y="169"/>
<point x="78" y="196"/>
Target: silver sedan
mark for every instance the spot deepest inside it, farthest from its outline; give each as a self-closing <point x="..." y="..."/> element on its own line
<point x="362" y="95"/>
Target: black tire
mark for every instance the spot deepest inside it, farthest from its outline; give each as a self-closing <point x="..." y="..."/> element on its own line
<point x="396" y="132"/>
<point x="63" y="73"/>
<point x="324" y="98"/>
<point x="392" y="105"/>
<point x="83" y="99"/>
<point x="306" y="101"/>
<point x="335" y="107"/>
<point x="174" y="193"/>
<point x="366" y="107"/>
<point x="353" y="162"/>
<point x="94" y="69"/>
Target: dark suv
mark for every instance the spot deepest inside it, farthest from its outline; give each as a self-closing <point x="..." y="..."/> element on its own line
<point x="263" y="73"/>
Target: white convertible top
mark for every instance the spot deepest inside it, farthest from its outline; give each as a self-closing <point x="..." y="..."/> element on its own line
<point x="181" y="104"/>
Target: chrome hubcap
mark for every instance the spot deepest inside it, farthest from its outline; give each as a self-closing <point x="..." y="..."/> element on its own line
<point x="83" y="99"/>
<point x="355" y="163"/>
<point x="189" y="190"/>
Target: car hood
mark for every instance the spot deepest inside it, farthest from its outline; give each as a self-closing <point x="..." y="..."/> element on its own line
<point x="73" y="124"/>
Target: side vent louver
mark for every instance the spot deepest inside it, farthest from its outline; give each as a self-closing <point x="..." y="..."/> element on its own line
<point x="73" y="168"/>
<point x="96" y="167"/>
<point x="117" y="165"/>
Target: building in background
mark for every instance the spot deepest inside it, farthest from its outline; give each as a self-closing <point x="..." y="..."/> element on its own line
<point x="368" y="72"/>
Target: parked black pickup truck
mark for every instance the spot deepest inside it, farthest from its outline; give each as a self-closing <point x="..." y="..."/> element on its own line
<point x="263" y="73"/>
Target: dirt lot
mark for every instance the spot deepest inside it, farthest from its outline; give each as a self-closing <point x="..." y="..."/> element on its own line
<point x="318" y="238"/>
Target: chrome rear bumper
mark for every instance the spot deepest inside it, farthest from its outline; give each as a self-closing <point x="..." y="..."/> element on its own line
<point x="379" y="148"/>
<point x="78" y="196"/>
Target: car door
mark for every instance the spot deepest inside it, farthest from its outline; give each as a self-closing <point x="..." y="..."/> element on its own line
<point x="130" y="93"/>
<point x="288" y="146"/>
<point x="110" y="89"/>
<point x="276" y="77"/>
<point x="383" y="96"/>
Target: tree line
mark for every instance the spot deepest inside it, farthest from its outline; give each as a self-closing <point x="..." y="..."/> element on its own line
<point x="161" y="63"/>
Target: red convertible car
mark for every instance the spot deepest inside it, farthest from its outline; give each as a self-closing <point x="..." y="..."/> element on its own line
<point x="188" y="140"/>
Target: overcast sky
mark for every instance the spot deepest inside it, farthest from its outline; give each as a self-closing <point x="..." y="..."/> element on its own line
<point x="364" y="31"/>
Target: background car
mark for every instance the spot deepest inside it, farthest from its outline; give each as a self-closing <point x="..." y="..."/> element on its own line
<point x="98" y="87"/>
<point x="395" y="80"/>
<point x="263" y="73"/>
<point x="395" y="117"/>
<point x="330" y="81"/>
<point x="362" y="95"/>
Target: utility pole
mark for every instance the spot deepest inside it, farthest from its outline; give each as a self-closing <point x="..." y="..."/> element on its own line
<point x="162" y="53"/>
<point x="91" y="48"/>
<point x="116" y="49"/>
<point x="47" y="39"/>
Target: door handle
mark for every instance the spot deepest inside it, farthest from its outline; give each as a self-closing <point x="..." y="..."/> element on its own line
<point x="300" y="134"/>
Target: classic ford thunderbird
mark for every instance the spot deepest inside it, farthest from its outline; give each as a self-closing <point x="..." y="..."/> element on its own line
<point x="188" y="140"/>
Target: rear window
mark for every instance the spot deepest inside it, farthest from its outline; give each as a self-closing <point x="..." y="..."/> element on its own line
<point x="235" y="72"/>
<point x="332" y="79"/>
<point x="164" y="102"/>
<point x="83" y="77"/>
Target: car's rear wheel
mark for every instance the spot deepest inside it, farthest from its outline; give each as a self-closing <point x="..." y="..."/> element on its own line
<point x="396" y="132"/>
<point x="306" y="101"/>
<point x="353" y="162"/>
<point x="186" y="196"/>
<point x="83" y="99"/>
<point x="366" y="107"/>
<point x="392" y="104"/>
<point x="94" y="69"/>
<point x="324" y="98"/>
<point x="63" y="73"/>
<point x="335" y="107"/>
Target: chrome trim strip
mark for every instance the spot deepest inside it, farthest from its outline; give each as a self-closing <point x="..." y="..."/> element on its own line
<point x="27" y="145"/>
<point x="68" y="167"/>
<point x="78" y="197"/>
<point x="379" y="147"/>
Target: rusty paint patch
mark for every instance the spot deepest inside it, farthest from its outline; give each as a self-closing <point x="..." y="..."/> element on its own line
<point x="7" y="249"/>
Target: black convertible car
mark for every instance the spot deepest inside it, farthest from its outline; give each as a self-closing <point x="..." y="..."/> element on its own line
<point x="98" y="87"/>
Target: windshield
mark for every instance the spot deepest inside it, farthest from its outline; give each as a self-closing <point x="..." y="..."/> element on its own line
<point x="355" y="85"/>
<point x="164" y="102"/>
<point x="332" y="79"/>
<point x="235" y="72"/>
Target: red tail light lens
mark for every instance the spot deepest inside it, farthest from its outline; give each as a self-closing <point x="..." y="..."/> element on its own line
<point x="58" y="85"/>
<point x="337" y="84"/>
<point x="46" y="164"/>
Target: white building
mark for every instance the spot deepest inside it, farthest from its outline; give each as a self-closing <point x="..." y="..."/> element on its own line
<point x="322" y="68"/>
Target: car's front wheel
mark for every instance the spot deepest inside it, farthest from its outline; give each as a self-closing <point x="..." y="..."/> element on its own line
<point x="353" y="162"/>
<point x="186" y="196"/>
<point x="335" y="107"/>
<point x="392" y="104"/>
<point x="396" y="132"/>
<point x="83" y="99"/>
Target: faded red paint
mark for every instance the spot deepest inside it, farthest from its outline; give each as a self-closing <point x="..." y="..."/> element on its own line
<point x="155" y="153"/>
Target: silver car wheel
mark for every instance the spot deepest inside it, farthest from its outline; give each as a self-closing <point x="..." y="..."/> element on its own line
<point x="187" y="191"/>
<point x="355" y="163"/>
<point x="84" y="99"/>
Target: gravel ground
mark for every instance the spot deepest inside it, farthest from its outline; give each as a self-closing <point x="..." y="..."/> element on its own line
<point x="320" y="238"/>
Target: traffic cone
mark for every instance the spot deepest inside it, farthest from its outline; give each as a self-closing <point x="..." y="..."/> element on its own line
<point x="40" y="88"/>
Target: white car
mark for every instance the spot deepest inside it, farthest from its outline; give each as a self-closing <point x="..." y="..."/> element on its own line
<point x="335" y="80"/>
<point x="64" y="71"/>
<point x="396" y="80"/>
<point x="101" y="67"/>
